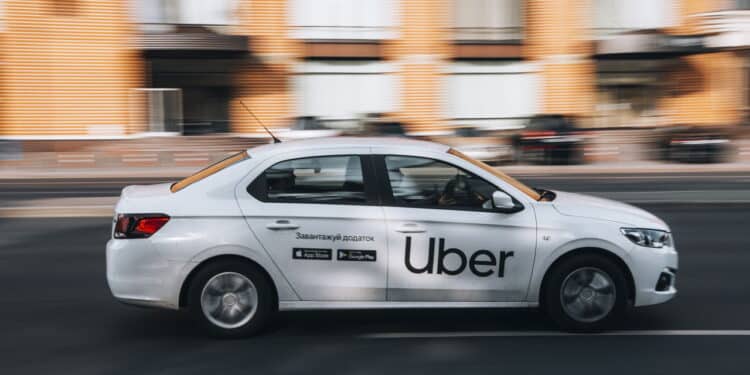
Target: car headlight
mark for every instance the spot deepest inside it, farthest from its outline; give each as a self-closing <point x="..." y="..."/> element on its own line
<point x="648" y="237"/>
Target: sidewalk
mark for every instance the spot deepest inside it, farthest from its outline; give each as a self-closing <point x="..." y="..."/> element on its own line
<point x="176" y="157"/>
<point x="59" y="207"/>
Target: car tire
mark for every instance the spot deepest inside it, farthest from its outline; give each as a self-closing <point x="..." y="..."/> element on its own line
<point x="585" y="293"/>
<point x="231" y="299"/>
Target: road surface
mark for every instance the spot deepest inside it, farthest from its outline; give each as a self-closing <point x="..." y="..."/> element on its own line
<point x="57" y="315"/>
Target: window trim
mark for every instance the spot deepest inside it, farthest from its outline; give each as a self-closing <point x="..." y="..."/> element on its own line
<point x="258" y="188"/>
<point x="388" y="200"/>
<point x="209" y="171"/>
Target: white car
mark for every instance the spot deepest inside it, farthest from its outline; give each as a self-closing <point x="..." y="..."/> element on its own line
<point x="370" y="223"/>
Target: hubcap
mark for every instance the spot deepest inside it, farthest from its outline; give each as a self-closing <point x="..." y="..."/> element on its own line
<point x="588" y="294"/>
<point x="229" y="300"/>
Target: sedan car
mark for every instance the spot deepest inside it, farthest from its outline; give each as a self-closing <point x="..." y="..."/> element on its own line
<point x="696" y="144"/>
<point x="372" y="223"/>
<point x="550" y="139"/>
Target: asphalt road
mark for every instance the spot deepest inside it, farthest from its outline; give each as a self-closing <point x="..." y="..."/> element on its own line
<point x="57" y="316"/>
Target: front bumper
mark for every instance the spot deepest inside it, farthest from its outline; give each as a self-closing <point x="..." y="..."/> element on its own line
<point x="650" y="266"/>
<point x="137" y="274"/>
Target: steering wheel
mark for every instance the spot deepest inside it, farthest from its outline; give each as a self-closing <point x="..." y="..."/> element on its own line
<point x="460" y="184"/>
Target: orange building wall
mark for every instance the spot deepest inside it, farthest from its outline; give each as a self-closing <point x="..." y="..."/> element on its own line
<point x="69" y="68"/>
<point x="558" y="39"/>
<point x="421" y="50"/>
<point x="265" y="81"/>
<point x="706" y="88"/>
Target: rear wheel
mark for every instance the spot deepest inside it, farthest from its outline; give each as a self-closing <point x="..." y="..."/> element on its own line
<point x="231" y="299"/>
<point x="585" y="293"/>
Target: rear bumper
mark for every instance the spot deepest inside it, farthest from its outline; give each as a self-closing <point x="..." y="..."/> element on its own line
<point x="137" y="274"/>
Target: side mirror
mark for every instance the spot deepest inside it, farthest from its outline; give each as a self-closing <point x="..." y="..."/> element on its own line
<point x="503" y="202"/>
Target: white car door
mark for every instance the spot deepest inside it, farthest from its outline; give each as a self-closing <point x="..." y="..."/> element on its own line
<point x="446" y="242"/>
<point x="319" y="220"/>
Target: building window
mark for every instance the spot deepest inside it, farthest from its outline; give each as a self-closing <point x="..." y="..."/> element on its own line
<point x="488" y="20"/>
<point x="491" y="94"/>
<point x="344" y="19"/>
<point x="617" y="16"/>
<point x="185" y="12"/>
<point x="342" y="91"/>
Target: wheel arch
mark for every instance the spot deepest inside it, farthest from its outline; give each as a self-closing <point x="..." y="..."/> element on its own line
<point x="183" y="296"/>
<point x="590" y="250"/>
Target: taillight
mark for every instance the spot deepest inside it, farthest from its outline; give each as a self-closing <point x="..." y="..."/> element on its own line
<point x="139" y="225"/>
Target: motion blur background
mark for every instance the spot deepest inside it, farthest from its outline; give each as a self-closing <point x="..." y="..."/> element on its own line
<point x="142" y="83"/>
<point x="645" y="101"/>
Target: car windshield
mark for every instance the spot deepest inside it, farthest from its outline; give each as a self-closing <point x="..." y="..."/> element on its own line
<point x="211" y="169"/>
<point x="533" y="194"/>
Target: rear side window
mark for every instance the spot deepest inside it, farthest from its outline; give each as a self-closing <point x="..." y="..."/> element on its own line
<point x="326" y="179"/>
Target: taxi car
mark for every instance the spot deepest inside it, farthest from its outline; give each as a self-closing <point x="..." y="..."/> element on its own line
<point x="370" y="223"/>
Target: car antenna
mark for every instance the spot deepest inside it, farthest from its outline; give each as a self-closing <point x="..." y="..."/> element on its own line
<point x="275" y="140"/>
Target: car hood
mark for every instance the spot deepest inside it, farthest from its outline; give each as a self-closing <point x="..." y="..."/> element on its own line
<point x="579" y="205"/>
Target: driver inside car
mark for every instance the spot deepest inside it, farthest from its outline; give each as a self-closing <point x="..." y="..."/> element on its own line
<point x="458" y="192"/>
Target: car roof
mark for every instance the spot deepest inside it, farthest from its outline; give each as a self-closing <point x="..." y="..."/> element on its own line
<point x="347" y="142"/>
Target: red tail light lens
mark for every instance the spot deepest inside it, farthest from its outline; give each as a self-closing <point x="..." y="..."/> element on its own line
<point x="139" y="225"/>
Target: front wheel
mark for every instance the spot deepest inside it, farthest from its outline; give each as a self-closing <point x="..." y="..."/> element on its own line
<point x="586" y="293"/>
<point x="231" y="299"/>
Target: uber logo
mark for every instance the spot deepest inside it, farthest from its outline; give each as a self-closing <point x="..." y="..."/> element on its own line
<point x="481" y="258"/>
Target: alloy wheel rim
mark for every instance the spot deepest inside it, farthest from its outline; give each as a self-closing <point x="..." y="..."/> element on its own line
<point x="588" y="294"/>
<point x="229" y="300"/>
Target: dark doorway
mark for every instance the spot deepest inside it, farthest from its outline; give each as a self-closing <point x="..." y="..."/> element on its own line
<point x="205" y="109"/>
<point x="205" y="89"/>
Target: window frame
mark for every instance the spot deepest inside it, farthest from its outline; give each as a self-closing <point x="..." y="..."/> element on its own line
<point x="258" y="188"/>
<point x="388" y="200"/>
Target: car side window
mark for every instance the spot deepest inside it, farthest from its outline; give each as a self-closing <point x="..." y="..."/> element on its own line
<point x="325" y="179"/>
<point x="427" y="183"/>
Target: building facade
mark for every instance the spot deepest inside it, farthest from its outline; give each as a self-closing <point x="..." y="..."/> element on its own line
<point x="88" y="68"/>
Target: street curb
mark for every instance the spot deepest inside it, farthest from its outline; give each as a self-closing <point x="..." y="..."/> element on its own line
<point x="60" y="207"/>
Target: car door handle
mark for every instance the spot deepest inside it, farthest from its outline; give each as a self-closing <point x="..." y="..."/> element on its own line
<point x="410" y="228"/>
<point x="282" y="225"/>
